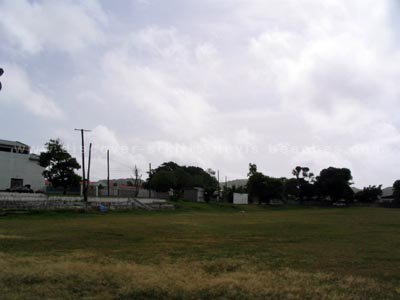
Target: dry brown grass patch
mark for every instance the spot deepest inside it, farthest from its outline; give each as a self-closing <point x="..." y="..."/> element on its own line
<point x="75" y="277"/>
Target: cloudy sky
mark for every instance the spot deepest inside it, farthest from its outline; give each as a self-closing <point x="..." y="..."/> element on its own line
<point x="214" y="83"/>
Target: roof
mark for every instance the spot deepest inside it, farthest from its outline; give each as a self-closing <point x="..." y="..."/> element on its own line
<point x="34" y="157"/>
<point x="387" y="192"/>
<point x="12" y="143"/>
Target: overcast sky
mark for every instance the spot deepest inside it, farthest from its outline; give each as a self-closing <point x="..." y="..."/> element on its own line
<point x="214" y="83"/>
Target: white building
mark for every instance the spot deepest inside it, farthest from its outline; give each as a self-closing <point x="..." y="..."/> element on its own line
<point x="240" y="198"/>
<point x="18" y="167"/>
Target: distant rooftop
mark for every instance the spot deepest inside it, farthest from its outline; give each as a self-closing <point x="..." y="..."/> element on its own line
<point x="14" y="146"/>
<point x="12" y="143"/>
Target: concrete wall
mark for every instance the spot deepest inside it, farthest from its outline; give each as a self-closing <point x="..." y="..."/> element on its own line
<point x="16" y="201"/>
<point x="43" y="197"/>
<point x="36" y="197"/>
<point x="240" y="198"/>
<point x="14" y="165"/>
<point x="128" y="192"/>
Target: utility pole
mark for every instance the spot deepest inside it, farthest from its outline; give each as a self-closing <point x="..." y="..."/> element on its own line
<point x="219" y="188"/>
<point x="88" y="170"/>
<point x="83" y="163"/>
<point x="108" y="173"/>
<point x="149" y="180"/>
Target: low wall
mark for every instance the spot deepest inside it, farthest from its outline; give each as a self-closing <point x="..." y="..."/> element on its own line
<point x="37" y="197"/>
<point x="16" y="201"/>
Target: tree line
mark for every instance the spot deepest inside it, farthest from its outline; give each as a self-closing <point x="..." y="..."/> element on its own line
<point x="331" y="185"/>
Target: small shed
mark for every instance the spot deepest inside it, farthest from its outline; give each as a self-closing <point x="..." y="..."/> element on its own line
<point x="195" y="195"/>
<point x="240" y="198"/>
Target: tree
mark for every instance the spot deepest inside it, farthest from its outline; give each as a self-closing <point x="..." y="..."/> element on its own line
<point x="396" y="191"/>
<point x="290" y="188"/>
<point x="163" y="181"/>
<point x="307" y="190"/>
<point x="255" y="183"/>
<point x="252" y="169"/>
<point x="241" y="189"/>
<point x="170" y="175"/>
<point x="301" y="171"/>
<point x="183" y="179"/>
<point x="305" y="180"/>
<point x="369" y="194"/>
<point x="227" y="193"/>
<point x="335" y="184"/>
<point x="59" y="166"/>
<point x="273" y="189"/>
<point x="263" y="188"/>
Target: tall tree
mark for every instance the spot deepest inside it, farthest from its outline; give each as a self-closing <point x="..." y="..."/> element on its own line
<point x="291" y="190"/>
<point x="255" y="184"/>
<point x="59" y="166"/>
<point x="263" y="188"/>
<point x="170" y="175"/>
<point x="396" y="191"/>
<point x="304" y="182"/>
<point x="335" y="183"/>
<point x="273" y="189"/>
<point x="303" y="173"/>
<point x="252" y="169"/>
<point x="163" y="181"/>
<point x="369" y="194"/>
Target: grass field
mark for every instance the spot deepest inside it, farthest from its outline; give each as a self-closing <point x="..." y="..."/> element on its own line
<point x="203" y="252"/>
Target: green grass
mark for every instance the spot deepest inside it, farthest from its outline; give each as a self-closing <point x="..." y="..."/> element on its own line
<point x="202" y="251"/>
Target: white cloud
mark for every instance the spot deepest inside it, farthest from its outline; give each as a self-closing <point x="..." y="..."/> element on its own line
<point x="152" y="90"/>
<point x="67" y="26"/>
<point x="19" y="90"/>
<point x="279" y="83"/>
<point x="323" y="90"/>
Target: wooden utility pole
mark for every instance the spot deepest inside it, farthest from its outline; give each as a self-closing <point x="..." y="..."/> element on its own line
<point x="108" y="173"/>
<point x="88" y="170"/>
<point x="219" y="188"/>
<point x="149" y="180"/>
<point x="83" y="163"/>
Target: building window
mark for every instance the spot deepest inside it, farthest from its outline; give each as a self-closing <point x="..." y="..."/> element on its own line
<point x="16" y="183"/>
<point x="5" y="149"/>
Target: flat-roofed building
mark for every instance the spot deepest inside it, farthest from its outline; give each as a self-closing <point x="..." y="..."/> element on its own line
<point x="18" y="167"/>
